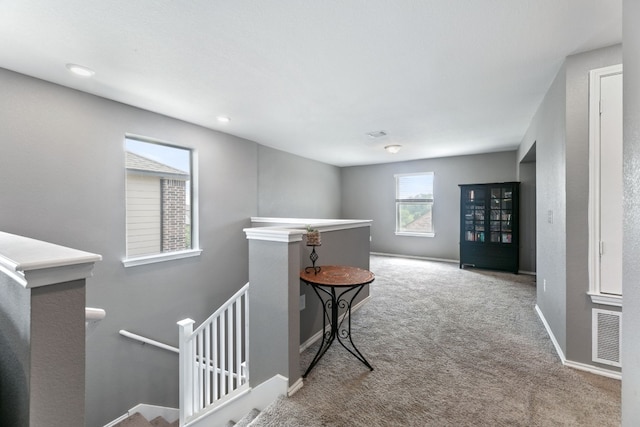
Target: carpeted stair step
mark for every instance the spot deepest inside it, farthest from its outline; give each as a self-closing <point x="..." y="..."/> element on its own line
<point x="135" y="420"/>
<point x="138" y="420"/>
<point x="246" y="420"/>
<point x="161" y="422"/>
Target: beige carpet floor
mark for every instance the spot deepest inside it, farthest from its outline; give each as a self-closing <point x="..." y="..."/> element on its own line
<point x="450" y="347"/>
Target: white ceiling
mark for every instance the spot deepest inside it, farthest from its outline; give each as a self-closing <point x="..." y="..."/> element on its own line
<point x="441" y="77"/>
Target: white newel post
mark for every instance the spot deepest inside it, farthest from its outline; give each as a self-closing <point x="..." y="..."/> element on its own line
<point x="186" y="361"/>
<point x="42" y="332"/>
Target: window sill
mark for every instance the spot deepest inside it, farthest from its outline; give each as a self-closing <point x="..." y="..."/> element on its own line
<point x="404" y="233"/>
<point x="604" y="299"/>
<point x="150" y="259"/>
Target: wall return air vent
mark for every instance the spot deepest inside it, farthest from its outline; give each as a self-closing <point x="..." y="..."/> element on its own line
<point x="606" y="328"/>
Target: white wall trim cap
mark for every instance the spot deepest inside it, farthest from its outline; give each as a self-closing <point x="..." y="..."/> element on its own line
<point x="603" y="299"/>
<point x="273" y="234"/>
<point x="292" y="229"/>
<point x="320" y="224"/>
<point x="413" y="234"/>
<point x="34" y="263"/>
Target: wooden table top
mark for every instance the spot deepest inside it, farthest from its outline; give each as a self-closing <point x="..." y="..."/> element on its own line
<point x="337" y="275"/>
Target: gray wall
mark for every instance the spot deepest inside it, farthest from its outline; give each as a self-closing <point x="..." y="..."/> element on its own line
<point x="340" y="247"/>
<point x="631" y="244"/>
<point x="560" y="131"/>
<point x="577" y="187"/>
<point x="547" y="131"/>
<point x="369" y="193"/>
<point x="284" y="177"/>
<point x="63" y="181"/>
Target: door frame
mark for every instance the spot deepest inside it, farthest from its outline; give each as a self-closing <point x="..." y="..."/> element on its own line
<point x="595" y="237"/>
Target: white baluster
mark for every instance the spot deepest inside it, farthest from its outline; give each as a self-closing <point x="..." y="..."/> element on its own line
<point x="201" y="371"/>
<point x="246" y="335"/>
<point x="238" y="334"/>
<point x="207" y="358"/>
<point x="230" y="349"/>
<point x="223" y="354"/>
<point x="216" y="383"/>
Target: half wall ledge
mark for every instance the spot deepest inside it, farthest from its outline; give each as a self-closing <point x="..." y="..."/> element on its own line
<point x="292" y="229"/>
<point x="33" y="263"/>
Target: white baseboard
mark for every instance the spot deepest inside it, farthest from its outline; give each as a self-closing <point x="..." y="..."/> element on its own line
<point x="528" y="273"/>
<point x="295" y="387"/>
<point x="559" y="351"/>
<point x="594" y="369"/>
<point x="455" y="261"/>
<point x="315" y="337"/>
<point x="570" y="363"/>
<point x="426" y="258"/>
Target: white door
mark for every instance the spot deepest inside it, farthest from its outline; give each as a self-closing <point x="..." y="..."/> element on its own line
<point x="611" y="184"/>
<point x="606" y="183"/>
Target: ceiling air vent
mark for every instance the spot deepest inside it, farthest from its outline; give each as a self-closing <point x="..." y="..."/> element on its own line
<point x="377" y="134"/>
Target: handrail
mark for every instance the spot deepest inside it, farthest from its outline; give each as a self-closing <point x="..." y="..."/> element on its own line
<point x="146" y="340"/>
<point x="222" y="308"/>
<point x="94" y="314"/>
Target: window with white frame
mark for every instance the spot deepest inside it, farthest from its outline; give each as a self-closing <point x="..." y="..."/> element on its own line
<point x="414" y="204"/>
<point x="160" y="220"/>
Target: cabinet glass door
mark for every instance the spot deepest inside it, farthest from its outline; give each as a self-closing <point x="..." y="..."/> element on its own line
<point x="474" y="220"/>
<point x="501" y="208"/>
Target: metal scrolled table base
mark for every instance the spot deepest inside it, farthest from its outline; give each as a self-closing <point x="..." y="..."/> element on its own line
<point x="331" y="306"/>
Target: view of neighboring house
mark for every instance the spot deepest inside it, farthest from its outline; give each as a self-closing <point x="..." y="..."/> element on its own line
<point x="420" y="223"/>
<point x="157" y="209"/>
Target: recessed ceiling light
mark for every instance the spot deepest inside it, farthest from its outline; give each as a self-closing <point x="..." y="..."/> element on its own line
<point x="224" y="119"/>
<point x="393" y="149"/>
<point x="79" y="70"/>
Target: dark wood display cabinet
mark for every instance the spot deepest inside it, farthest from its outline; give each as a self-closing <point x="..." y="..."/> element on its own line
<point x="489" y="226"/>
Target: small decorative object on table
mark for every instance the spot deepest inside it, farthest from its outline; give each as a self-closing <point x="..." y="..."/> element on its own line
<point x="313" y="239"/>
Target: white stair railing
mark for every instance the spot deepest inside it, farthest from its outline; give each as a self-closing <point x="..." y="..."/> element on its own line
<point x="214" y="358"/>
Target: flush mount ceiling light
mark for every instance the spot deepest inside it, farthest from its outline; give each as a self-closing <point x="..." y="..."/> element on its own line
<point x="223" y="119"/>
<point x="79" y="70"/>
<point x="393" y="149"/>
